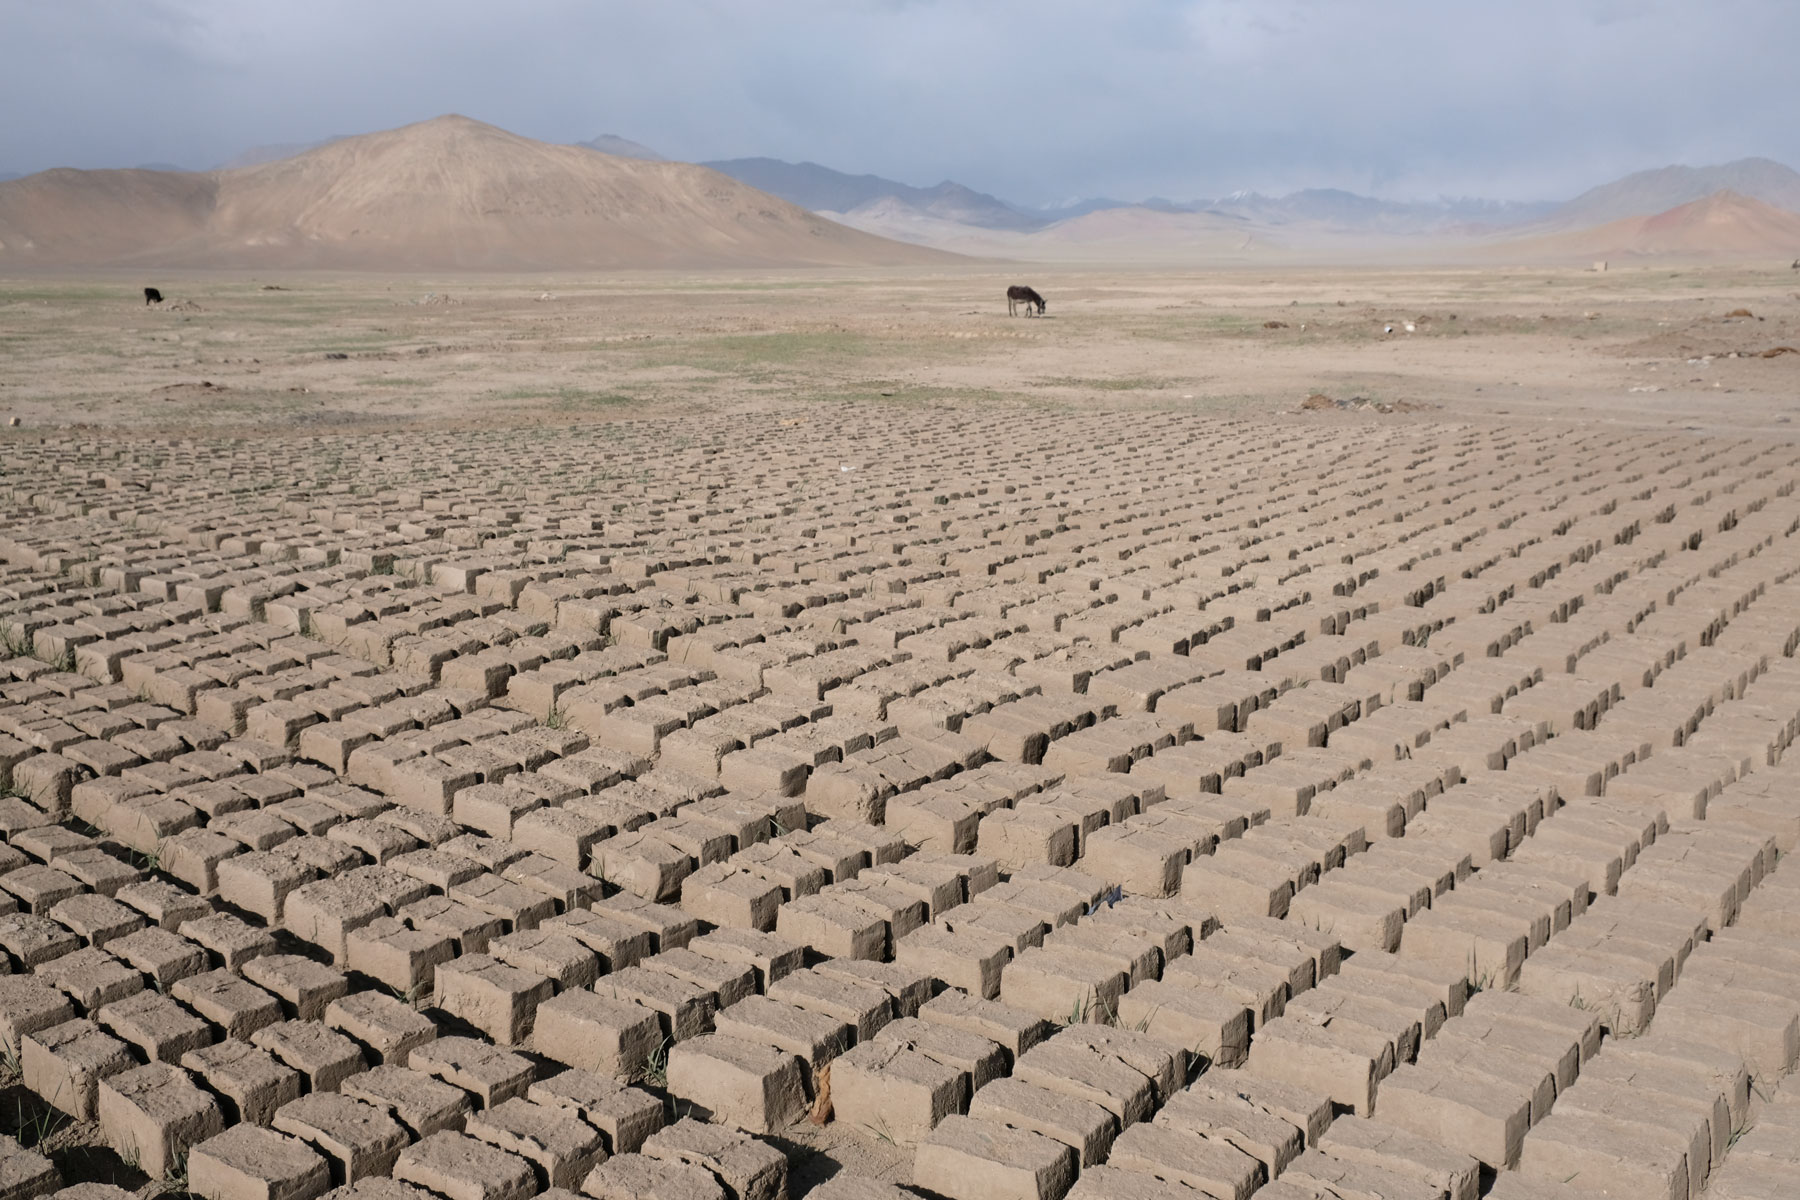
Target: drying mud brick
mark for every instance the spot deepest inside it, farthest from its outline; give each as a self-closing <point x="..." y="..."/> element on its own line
<point x="460" y="1167"/>
<point x="249" y="1163"/>
<point x="610" y="1037"/>
<point x="154" y="1115"/>
<point x="971" y="1159"/>
<point x="753" y="1087"/>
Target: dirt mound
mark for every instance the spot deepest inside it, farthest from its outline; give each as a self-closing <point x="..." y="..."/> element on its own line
<point x="1320" y="402"/>
<point x="1722" y="225"/>
<point x="444" y="194"/>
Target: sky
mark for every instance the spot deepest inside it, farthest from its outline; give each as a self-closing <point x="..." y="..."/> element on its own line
<point x="1037" y="101"/>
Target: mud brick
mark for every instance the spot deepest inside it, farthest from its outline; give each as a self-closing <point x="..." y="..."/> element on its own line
<point x="399" y="957"/>
<point x="833" y="926"/>
<point x="1271" y="1140"/>
<point x="725" y="895"/>
<point x="605" y="1035"/>
<point x="569" y="888"/>
<point x="165" y="957"/>
<point x="1063" y="985"/>
<point x="1081" y="1071"/>
<point x="1113" y="1183"/>
<point x="971" y="1159"/>
<point x="1377" y="1144"/>
<point x="304" y="987"/>
<point x="423" y="1104"/>
<point x="630" y="1176"/>
<point x="193" y="857"/>
<point x="562" y="960"/>
<point x="32" y="941"/>
<point x="1201" y="1021"/>
<point x="625" y="1116"/>
<point x="644" y="863"/>
<point x="47" y="780"/>
<point x="470" y="930"/>
<point x="360" y="1140"/>
<point x="1345" y="1061"/>
<point x="488" y="1074"/>
<point x="65" y="1063"/>
<point x="685" y="1008"/>
<point x="815" y="1037"/>
<point x="249" y="1163"/>
<point x="561" y="1146"/>
<point x="668" y="927"/>
<point x="40" y="888"/>
<point x="154" y="1115"/>
<point x="1306" y="1110"/>
<point x="222" y="998"/>
<point x="728" y="982"/>
<point x="1329" y="1175"/>
<point x="260" y="883"/>
<point x="1633" y="1158"/>
<point x="771" y="957"/>
<point x="970" y="959"/>
<point x="1460" y="1111"/>
<point x="753" y="1087"/>
<point x="500" y="1000"/>
<point x="251" y="1085"/>
<point x="386" y="1029"/>
<point x="1218" y="1167"/>
<point x="324" y="1056"/>
<point x="750" y="1168"/>
<point x="96" y="919"/>
<point x="617" y="944"/>
<point x="91" y="978"/>
<point x="565" y="835"/>
<point x="378" y="840"/>
<point x="516" y="906"/>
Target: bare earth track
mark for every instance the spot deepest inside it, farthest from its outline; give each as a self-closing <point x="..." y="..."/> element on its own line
<point x="588" y="730"/>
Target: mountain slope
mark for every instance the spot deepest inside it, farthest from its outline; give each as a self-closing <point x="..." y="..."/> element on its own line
<point x="449" y="193"/>
<point x="822" y="189"/>
<point x="1646" y="193"/>
<point x="1722" y="225"/>
<point x="612" y="143"/>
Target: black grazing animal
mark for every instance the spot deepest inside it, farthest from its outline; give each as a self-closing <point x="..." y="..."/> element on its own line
<point x="1018" y="294"/>
<point x="152" y="296"/>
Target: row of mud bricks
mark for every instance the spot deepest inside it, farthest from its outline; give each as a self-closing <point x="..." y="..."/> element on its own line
<point x="1400" y="815"/>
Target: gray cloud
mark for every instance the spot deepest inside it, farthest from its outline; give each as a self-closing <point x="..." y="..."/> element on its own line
<point x="1035" y="100"/>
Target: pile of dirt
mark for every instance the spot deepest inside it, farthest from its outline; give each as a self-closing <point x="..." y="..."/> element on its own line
<point x="447" y="193"/>
<point x="1320" y="402"/>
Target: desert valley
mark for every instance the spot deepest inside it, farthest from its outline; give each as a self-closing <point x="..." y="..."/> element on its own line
<point x="535" y="669"/>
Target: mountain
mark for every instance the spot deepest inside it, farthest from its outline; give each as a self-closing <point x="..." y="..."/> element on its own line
<point x="1722" y="225"/>
<point x="445" y="194"/>
<point x="612" y="143"/>
<point x="822" y="189"/>
<point x="1648" y="192"/>
<point x="1339" y="211"/>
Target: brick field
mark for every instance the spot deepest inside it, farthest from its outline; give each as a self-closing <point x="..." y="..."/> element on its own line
<point x="833" y="804"/>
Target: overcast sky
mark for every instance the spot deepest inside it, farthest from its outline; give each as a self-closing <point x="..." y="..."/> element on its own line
<point x="1035" y="100"/>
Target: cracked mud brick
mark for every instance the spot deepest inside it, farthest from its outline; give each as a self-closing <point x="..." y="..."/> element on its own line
<point x="153" y="1115"/>
<point x="249" y="1163"/>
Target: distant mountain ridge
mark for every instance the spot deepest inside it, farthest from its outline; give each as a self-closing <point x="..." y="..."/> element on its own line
<point x="822" y="189"/>
<point x="612" y="143"/>
<point x="449" y="193"/>
<point x="1645" y="193"/>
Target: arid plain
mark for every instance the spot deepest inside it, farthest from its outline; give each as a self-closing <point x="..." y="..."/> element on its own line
<point x="1272" y="732"/>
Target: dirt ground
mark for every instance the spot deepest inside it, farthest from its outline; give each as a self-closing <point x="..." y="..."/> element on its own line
<point x="1637" y="346"/>
<point x="83" y="360"/>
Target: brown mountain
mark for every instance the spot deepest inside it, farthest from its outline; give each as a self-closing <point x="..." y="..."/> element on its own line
<point x="449" y="193"/>
<point x="1722" y="225"/>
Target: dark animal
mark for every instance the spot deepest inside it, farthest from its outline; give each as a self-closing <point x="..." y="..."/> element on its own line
<point x="1018" y="294"/>
<point x="152" y="296"/>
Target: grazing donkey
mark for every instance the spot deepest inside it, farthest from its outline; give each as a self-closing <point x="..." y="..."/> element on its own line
<point x="1018" y="293"/>
<point x="152" y="296"/>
